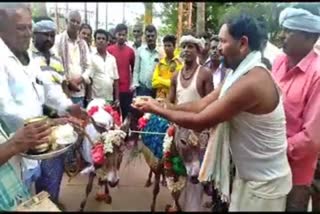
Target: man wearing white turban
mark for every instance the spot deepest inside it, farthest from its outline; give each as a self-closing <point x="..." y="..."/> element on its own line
<point x="297" y="73"/>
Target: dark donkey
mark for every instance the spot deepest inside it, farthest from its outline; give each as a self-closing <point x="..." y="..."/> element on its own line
<point x="155" y="164"/>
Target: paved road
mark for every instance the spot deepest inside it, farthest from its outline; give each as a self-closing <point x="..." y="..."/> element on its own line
<point x="130" y="195"/>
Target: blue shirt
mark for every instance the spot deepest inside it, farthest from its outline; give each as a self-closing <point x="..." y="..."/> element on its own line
<point x="145" y="63"/>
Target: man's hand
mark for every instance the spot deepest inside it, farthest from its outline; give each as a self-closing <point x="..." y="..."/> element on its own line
<point x="31" y="136"/>
<point x="145" y="104"/>
<point x="73" y="86"/>
<point x="133" y="88"/>
<point x="116" y="103"/>
<point x="76" y="111"/>
<point x="78" y="80"/>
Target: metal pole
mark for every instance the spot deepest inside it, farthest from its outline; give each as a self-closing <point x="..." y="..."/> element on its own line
<point x="67" y="8"/>
<point x="97" y="16"/>
<point x="57" y="17"/>
<point x="106" y="15"/>
<point x="85" y="13"/>
<point x="123" y="12"/>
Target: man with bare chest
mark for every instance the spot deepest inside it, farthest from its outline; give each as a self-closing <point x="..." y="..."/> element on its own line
<point x="192" y="83"/>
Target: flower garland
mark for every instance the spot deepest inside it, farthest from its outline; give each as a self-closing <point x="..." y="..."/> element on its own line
<point x="174" y="168"/>
<point x="143" y="121"/>
<point x="113" y="112"/>
<point x="105" y="145"/>
<point x="111" y="138"/>
<point x="153" y="123"/>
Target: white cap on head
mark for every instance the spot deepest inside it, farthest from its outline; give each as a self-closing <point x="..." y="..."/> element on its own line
<point x="191" y="39"/>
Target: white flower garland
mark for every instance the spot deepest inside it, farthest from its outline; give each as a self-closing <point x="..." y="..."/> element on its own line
<point x="171" y="184"/>
<point x="112" y="137"/>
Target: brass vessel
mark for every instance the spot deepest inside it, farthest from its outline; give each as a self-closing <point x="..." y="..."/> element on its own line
<point x="35" y="119"/>
<point x="43" y="147"/>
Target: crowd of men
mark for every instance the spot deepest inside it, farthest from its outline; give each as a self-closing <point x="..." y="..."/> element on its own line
<point x="260" y="100"/>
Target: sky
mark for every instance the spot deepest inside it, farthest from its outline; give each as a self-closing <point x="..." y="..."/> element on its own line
<point x="115" y="11"/>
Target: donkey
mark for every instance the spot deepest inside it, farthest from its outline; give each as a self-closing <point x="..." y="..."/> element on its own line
<point x="155" y="164"/>
<point x="134" y="141"/>
<point x="191" y="148"/>
<point x="108" y="171"/>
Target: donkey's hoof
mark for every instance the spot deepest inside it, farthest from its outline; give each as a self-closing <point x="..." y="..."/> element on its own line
<point x="208" y="204"/>
<point x="100" y="197"/>
<point x="164" y="183"/>
<point x="170" y="208"/>
<point x="148" y="183"/>
<point x="108" y="199"/>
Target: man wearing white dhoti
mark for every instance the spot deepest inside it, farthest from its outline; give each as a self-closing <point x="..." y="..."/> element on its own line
<point x="248" y="112"/>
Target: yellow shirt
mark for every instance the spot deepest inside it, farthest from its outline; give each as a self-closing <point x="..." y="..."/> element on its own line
<point x="162" y="75"/>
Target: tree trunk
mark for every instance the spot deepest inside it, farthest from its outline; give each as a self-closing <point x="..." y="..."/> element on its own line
<point x="180" y="14"/>
<point x="200" y="24"/>
<point x="148" y="13"/>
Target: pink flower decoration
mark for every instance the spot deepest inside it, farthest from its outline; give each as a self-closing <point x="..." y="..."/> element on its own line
<point x="97" y="153"/>
<point x="93" y="110"/>
<point x="142" y="122"/>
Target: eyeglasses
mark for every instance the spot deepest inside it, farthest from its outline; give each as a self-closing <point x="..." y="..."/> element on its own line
<point x="136" y="31"/>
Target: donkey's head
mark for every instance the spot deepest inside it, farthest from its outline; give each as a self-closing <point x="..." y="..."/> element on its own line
<point x="113" y="146"/>
<point x="190" y="146"/>
<point x="106" y="121"/>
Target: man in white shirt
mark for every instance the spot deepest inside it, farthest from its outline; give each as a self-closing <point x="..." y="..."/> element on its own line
<point x="103" y="70"/>
<point x="74" y="53"/>
<point x="22" y="93"/>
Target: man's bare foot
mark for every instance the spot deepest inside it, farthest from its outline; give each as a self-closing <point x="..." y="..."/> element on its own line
<point x="148" y="183"/>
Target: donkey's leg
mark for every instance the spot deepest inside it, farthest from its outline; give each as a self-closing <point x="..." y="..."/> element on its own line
<point x="108" y="198"/>
<point x="88" y="190"/>
<point x="101" y="193"/>
<point x="149" y="182"/>
<point x="164" y="182"/>
<point x="175" y="206"/>
<point x="176" y="198"/>
<point x="155" y="190"/>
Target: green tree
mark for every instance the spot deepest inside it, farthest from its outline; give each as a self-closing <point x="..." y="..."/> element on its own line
<point x="270" y="11"/>
<point x="169" y="18"/>
<point x="39" y="9"/>
<point x="214" y="12"/>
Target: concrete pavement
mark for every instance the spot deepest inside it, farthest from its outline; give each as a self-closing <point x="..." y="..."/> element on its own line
<point x="130" y="195"/>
